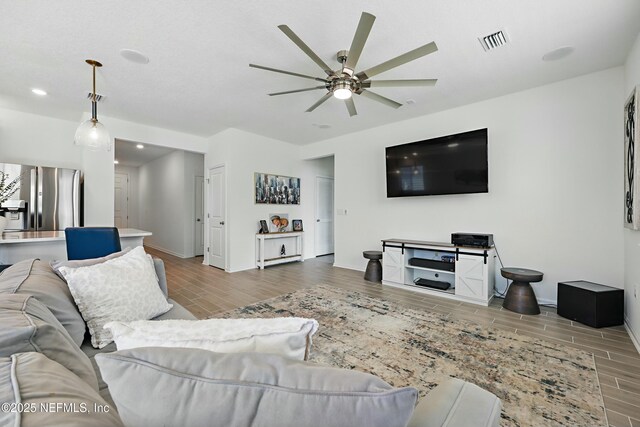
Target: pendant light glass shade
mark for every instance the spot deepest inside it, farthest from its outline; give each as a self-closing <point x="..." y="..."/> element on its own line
<point x="92" y="134"/>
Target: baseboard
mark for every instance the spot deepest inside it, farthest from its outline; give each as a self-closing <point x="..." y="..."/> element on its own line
<point x="634" y="338"/>
<point x="347" y="267"/>
<point x="167" y="251"/>
<point x="541" y="301"/>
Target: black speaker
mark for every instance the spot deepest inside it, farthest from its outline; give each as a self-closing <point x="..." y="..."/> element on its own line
<point x="594" y="305"/>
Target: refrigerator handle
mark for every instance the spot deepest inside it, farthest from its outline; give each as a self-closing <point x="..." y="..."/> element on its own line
<point x="40" y="189"/>
<point x="32" y="200"/>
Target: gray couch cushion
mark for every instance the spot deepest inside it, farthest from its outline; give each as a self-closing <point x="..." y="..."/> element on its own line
<point x="177" y="312"/>
<point x="193" y="387"/>
<point x="27" y="325"/>
<point x="457" y="403"/>
<point x="36" y="278"/>
<point x="32" y="380"/>
<point x="56" y="264"/>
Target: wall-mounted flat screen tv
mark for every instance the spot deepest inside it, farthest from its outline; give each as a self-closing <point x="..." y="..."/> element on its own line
<point x="454" y="164"/>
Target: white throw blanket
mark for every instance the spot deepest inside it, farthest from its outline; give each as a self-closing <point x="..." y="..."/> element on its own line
<point x="287" y="336"/>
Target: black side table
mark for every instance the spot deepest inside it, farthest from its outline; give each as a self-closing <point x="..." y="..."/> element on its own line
<point x="374" y="268"/>
<point x="520" y="297"/>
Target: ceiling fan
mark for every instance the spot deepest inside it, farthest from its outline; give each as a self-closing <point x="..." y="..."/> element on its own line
<point x="344" y="82"/>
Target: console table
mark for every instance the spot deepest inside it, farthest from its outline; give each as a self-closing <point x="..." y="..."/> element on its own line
<point x="472" y="276"/>
<point x="268" y="248"/>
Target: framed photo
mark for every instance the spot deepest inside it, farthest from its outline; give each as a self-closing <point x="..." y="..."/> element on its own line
<point x="279" y="223"/>
<point x="297" y="224"/>
<point x="631" y="164"/>
<point x="276" y="189"/>
<point x="264" y="228"/>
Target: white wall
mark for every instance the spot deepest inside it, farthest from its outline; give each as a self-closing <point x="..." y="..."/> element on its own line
<point x="554" y="182"/>
<point x="631" y="238"/>
<point x="134" y="196"/>
<point x="243" y="154"/>
<point x="39" y="140"/>
<point x="166" y="196"/>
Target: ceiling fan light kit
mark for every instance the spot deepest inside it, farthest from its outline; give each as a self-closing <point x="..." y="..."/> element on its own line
<point x="92" y="134"/>
<point x="345" y="82"/>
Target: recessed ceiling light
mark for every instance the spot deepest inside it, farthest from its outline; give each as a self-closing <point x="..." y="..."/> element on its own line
<point x="39" y="92"/>
<point x="139" y="146"/>
<point x="410" y="101"/>
<point x="115" y="162"/>
<point x="559" y="53"/>
<point x="324" y="126"/>
<point x="134" y="56"/>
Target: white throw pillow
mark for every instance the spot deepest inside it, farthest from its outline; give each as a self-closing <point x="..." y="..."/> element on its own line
<point x="286" y="336"/>
<point x="122" y="289"/>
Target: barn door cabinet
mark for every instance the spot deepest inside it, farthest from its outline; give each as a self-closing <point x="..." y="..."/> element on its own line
<point x="420" y="266"/>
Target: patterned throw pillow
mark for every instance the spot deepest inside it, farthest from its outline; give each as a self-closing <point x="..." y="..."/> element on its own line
<point x="122" y="289"/>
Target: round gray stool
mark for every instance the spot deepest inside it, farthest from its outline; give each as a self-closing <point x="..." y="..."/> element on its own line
<point x="373" y="273"/>
<point x="520" y="297"/>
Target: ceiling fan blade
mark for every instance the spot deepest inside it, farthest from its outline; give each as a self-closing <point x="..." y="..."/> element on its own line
<point x="297" y="90"/>
<point x="320" y="101"/>
<point x="398" y="60"/>
<point x="306" y="49"/>
<point x="275" y="70"/>
<point x="399" y="83"/>
<point x="351" y="107"/>
<point x="386" y="101"/>
<point x="359" y="39"/>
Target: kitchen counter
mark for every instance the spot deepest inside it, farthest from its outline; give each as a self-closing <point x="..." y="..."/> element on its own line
<point x="48" y="245"/>
<point x="9" y="237"/>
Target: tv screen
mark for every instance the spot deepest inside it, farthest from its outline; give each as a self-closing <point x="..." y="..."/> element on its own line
<point x="454" y="164"/>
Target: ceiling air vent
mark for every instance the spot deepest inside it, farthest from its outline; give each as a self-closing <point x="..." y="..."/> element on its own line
<point x="99" y="97"/>
<point x="493" y="41"/>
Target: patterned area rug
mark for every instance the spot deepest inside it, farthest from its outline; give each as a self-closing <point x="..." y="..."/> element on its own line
<point x="539" y="383"/>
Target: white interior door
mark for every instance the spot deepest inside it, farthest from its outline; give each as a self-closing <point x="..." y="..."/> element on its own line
<point x="217" y="217"/>
<point x="199" y="217"/>
<point x="324" y="216"/>
<point x="121" y="210"/>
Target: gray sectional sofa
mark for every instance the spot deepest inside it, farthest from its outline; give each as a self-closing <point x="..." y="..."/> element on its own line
<point x="49" y="374"/>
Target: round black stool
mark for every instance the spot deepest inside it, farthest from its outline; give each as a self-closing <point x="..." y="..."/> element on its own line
<point x="373" y="273"/>
<point x="520" y="297"/>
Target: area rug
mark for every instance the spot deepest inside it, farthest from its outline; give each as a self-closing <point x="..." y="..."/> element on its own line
<point x="539" y="383"/>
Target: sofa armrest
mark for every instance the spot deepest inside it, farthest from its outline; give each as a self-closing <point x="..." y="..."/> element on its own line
<point x="457" y="403"/>
<point x="158" y="264"/>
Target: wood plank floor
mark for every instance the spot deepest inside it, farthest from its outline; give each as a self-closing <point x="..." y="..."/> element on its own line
<point x="206" y="291"/>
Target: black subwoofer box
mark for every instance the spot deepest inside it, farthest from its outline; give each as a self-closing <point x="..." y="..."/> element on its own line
<point x="590" y="303"/>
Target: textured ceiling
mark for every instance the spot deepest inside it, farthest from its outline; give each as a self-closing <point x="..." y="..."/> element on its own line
<point x="127" y="153"/>
<point x="198" y="80"/>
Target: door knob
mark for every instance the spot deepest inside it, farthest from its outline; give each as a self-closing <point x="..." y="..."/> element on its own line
<point x="221" y="222"/>
<point x="317" y="220"/>
<point x="198" y="219"/>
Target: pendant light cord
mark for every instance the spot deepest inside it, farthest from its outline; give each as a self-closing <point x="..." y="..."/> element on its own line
<point x="94" y="104"/>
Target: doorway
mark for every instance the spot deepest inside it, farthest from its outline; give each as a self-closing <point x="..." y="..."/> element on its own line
<point x="217" y="209"/>
<point x="324" y="216"/>
<point x="121" y="205"/>
<point x="198" y="239"/>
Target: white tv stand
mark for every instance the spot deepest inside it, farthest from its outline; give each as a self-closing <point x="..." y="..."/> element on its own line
<point x="472" y="281"/>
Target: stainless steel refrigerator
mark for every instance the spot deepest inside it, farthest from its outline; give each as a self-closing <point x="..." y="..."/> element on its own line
<point x="48" y="198"/>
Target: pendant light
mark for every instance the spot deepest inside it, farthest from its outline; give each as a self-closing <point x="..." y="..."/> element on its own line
<point x="92" y="134"/>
